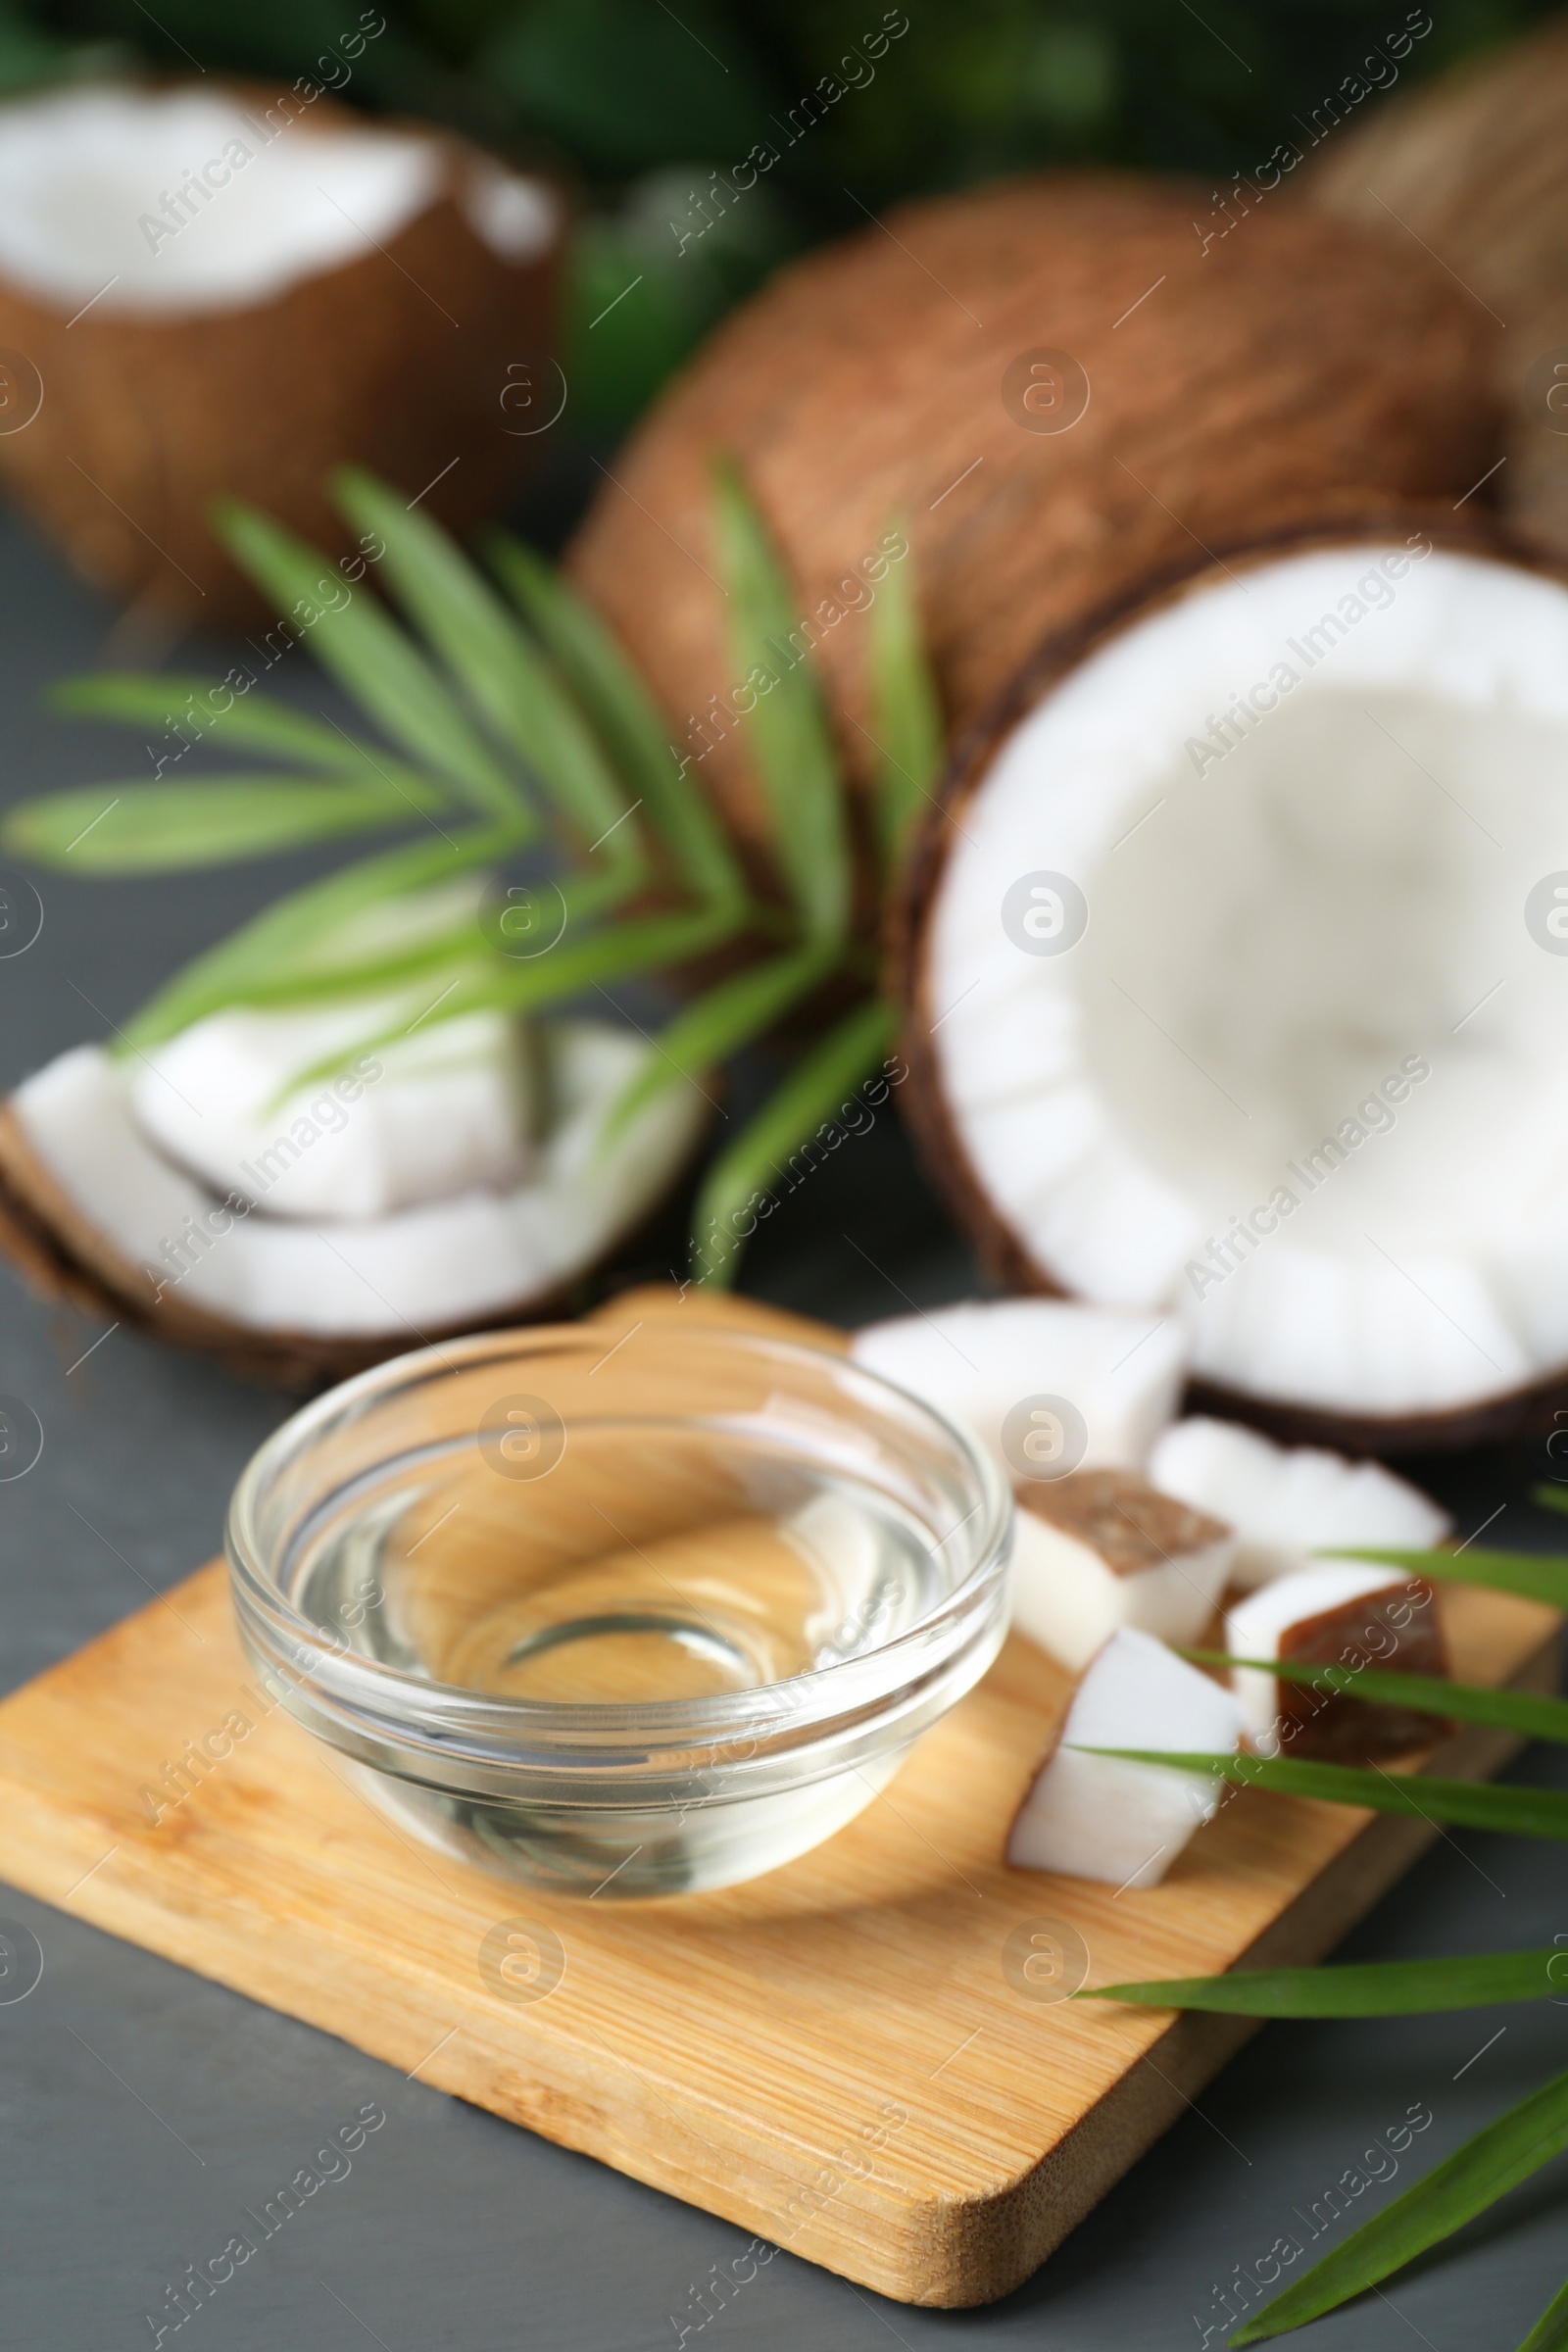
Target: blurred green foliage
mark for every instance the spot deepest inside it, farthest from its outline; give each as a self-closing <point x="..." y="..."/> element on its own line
<point x="651" y="108"/>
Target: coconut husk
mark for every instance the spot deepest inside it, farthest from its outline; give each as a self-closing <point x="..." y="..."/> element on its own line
<point x="1296" y="370"/>
<point x="1475" y="166"/>
<point x="397" y="361"/>
<point x="61" y="1256"/>
<point x="1003" y="1251"/>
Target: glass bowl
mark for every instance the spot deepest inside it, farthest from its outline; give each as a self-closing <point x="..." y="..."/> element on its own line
<point x="620" y="1617"/>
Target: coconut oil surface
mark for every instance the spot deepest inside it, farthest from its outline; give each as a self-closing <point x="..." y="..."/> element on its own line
<point x="673" y="1565"/>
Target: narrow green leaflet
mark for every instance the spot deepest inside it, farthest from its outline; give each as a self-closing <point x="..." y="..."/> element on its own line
<point x="1551" y="2332"/>
<point x="155" y="828"/>
<point x="354" y="638"/>
<point x="237" y="723"/>
<point x="1550" y="1498"/>
<point x="481" y="644"/>
<point x="787" y="731"/>
<point x="1528" y="1712"/>
<point x="1465" y="2184"/>
<point x="495" y="983"/>
<point x="1377" y="1989"/>
<point x="718" y="1023"/>
<point x="1538" y="1576"/>
<point x="744" y="1174"/>
<point x="905" y="712"/>
<point x="291" y="932"/>
<point x="1473" y="1804"/>
<point x="624" y="712"/>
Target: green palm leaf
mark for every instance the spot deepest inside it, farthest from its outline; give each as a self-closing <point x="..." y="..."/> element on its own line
<point x="720" y="1022"/>
<point x="242" y="724"/>
<point x="1550" y="1498"/>
<point x="482" y="645"/>
<point x="1551" y="2332"/>
<point x="905" y="712"/>
<point x="787" y="730"/>
<point x="156" y="828"/>
<point x="1465" y="2184"/>
<point x="1537" y="1576"/>
<point x="1379" y="1988"/>
<point x="627" y="720"/>
<point x="1473" y="1804"/>
<point x="815" y="1089"/>
<point x="294" y="935"/>
<point x="370" y="656"/>
<point x="1529" y="1712"/>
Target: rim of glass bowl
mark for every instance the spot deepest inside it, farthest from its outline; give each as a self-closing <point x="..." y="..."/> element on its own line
<point x="386" y="1702"/>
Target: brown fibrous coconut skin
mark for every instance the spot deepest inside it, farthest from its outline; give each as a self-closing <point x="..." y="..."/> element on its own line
<point x="1295" y="370"/>
<point x="62" y="1257"/>
<point x="397" y="360"/>
<point x="1002" y="1252"/>
<point x="1475" y="166"/>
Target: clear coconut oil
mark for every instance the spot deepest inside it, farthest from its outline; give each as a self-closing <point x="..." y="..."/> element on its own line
<point x="682" y="1567"/>
<point x="623" y="1616"/>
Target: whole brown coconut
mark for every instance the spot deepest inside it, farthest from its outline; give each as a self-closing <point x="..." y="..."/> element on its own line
<point x="422" y="355"/>
<point x="1475" y="166"/>
<point x="1057" y="392"/>
<point x="1233" y="961"/>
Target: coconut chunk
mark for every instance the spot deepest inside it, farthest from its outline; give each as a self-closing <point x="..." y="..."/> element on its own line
<point x="154" y="1235"/>
<point x="1005" y="1367"/>
<point x="1344" y="1614"/>
<point x="1288" y="1503"/>
<point x="1100" y="1549"/>
<point x="1100" y="1817"/>
<point x="447" y="1108"/>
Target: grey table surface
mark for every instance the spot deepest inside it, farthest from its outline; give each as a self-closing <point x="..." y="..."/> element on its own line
<point x="141" y="2107"/>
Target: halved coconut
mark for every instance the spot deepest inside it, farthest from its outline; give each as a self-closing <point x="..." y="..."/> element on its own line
<point x="350" y="1233"/>
<point x="1289" y="1502"/>
<point x="1236" y="974"/>
<point x="1474" y="167"/>
<point x="1049" y="390"/>
<point x="209" y="289"/>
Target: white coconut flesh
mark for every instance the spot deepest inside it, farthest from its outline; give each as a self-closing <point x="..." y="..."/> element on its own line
<point x="1286" y="1502"/>
<point x="172" y="202"/>
<point x="1103" y="1817"/>
<point x="441" y="1110"/>
<point x="1306" y="1021"/>
<point x="486" y="1246"/>
<point x="1005" y="1367"/>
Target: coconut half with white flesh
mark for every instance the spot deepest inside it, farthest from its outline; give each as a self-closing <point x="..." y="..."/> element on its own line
<point x="1235" y="965"/>
<point x="1287" y="1502"/>
<point x="211" y="289"/>
<point x="1103" y="1817"/>
<point x="457" y="1178"/>
<point x="1348" y="1613"/>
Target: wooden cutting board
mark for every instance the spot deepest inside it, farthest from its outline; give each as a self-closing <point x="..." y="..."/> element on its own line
<point x="849" y="2057"/>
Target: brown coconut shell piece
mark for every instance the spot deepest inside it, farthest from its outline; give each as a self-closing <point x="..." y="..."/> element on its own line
<point x="1475" y="166"/>
<point x="1001" y="1250"/>
<point x="1397" y="1629"/>
<point x="61" y="1256"/>
<point x="1299" y="369"/>
<point x="397" y="360"/>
